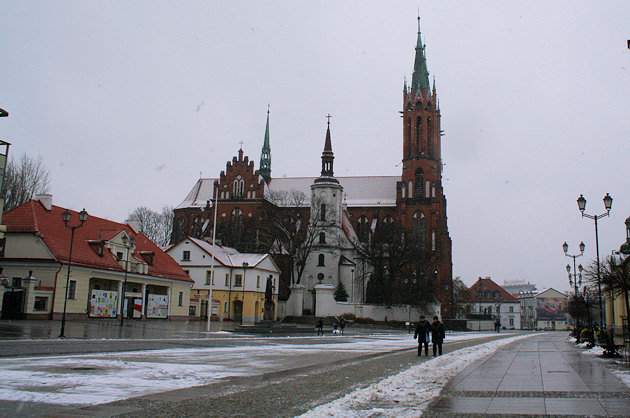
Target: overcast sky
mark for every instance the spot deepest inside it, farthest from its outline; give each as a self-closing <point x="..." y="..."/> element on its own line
<point x="129" y="102"/>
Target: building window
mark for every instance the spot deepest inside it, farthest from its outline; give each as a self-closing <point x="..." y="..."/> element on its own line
<point x="427" y="188"/>
<point x="419" y="178"/>
<point x="320" y="260"/>
<point x="227" y="279"/>
<point x="72" y="289"/>
<point x="238" y="280"/>
<point x="40" y="303"/>
<point x="362" y="228"/>
<point x="180" y="299"/>
<point x="511" y="308"/>
<point x="410" y="189"/>
<point x="187" y="272"/>
<point x="511" y="322"/>
<point x="257" y="282"/>
<point x="185" y="255"/>
<point x="192" y="310"/>
<point x="238" y="187"/>
<point x="418" y="224"/>
<point x="225" y="308"/>
<point x="322" y="238"/>
<point x="418" y="129"/>
<point x="209" y="274"/>
<point x="322" y="212"/>
<point x="433" y="240"/>
<point x="119" y="255"/>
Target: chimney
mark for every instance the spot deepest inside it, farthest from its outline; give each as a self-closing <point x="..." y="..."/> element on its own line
<point x="46" y="200"/>
<point x="134" y="224"/>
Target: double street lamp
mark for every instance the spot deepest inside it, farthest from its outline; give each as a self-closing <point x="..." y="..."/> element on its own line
<point x="581" y="201"/>
<point x="65" y="216"/>
<point x="574" y="276"/>
<point x="131" y="242"/>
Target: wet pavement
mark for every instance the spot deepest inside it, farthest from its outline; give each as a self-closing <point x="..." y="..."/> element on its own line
<point x="541" y="375"/>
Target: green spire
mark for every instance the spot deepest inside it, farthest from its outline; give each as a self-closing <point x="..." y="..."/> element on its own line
<point x="265" y="155"/>
<point x="420" y="78"/>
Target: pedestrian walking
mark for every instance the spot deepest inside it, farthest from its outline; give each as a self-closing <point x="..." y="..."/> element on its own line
<point x="423" y="329"/>
<point x="342" y="325"/>
<point x="497" y="325"/>
<point x="320" y="327"/>
<point x="335" y="326"/>
<point x="437" y="335"/>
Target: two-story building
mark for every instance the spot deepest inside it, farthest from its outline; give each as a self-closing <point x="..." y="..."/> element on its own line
<point x="489" y="300"/>
<point x="113" y="268"/>
<point x="240" y="282"/>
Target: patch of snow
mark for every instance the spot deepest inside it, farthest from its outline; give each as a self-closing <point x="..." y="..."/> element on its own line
<point x="409" y="392"/>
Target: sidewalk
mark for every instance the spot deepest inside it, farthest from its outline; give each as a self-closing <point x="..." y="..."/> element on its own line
<point x="541" y="375"/>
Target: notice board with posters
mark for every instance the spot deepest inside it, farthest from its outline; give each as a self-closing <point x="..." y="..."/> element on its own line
<point x="103" y="303"/>
<point x="157" y="306"/>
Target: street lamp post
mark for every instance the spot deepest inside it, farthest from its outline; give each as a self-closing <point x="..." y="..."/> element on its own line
<point x="65" y="216"/>
<point x="132" y="242"/>
<point x="245" y="266"/>
<point x="581" y="201"/>
<point x="575" y="283"/>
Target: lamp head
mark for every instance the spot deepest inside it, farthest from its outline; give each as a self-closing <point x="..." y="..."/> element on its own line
<point x="582" y="246"/>
<point x="565" y="247"/>
<point x="65" y="216"/>
<point x="568" y="269"/>
<point x="83" y="215"/>
<point x="627" y="228"/>
<point x="608" y="202"/>
<point x="245" y="264"/>
<point x="580" y="268"/>
<point x="581" y="203"/>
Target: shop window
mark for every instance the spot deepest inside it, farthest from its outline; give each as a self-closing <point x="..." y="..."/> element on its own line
<point x="40" y="303"/>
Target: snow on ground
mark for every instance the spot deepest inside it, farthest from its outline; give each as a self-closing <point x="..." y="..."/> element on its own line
<point x="89" y="379"/>
<point x="616" y="366"/>
<point x="409" y="392"/>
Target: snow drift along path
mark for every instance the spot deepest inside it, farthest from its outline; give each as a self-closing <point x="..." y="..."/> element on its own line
<point x="408" y="393"/>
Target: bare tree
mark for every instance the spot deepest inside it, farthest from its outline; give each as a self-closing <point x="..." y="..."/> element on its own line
<point x="615" y="274"/>
<point x="461" y="304"/>
<point x="155" y="226"/>
<point x="24" y="179"/>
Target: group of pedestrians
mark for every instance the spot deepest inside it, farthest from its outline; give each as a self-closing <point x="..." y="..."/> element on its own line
<point x="427" y="332"/>
<point x="338" y="326"/>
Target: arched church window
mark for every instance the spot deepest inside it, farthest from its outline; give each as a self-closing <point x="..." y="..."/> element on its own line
<point x="418" y="225"/>
<point x="418" y="130"/>
<point x="322" y="238"/>
<point x="196" y="227"/>
<point x="433" y="240"/>
<point x="410" y="189"/>
<point x="362" y="227"/>
<point x="427" y="188"/>
<point x="430" y="136"/>
<point x="388" y="224"/>
<point x="320" y="260"/>
<point x="432" y="191"/>
<point x="238" y="187"/>
<point x="419" y="177"/>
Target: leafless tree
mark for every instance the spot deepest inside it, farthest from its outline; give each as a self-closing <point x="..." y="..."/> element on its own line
<point x="461" y="304"/>
<point x="156" y="226"/>
<point x="24" y="179"/>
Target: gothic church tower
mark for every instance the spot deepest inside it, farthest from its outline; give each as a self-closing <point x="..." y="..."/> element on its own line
<point x="420" y="198"/>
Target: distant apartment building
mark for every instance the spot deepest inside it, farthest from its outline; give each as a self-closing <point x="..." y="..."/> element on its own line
<point x="544" y="310"/>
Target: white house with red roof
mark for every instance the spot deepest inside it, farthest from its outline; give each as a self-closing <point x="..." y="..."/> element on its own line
<point x="240" y="280"/>
<point x="489" y="299"/>
<point x="105" y="255"/>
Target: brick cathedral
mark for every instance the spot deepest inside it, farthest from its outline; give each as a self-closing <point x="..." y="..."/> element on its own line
<point x="414" y="200"/>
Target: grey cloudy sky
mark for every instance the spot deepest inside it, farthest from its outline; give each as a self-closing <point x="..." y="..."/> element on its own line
<point x="128" y="102"/>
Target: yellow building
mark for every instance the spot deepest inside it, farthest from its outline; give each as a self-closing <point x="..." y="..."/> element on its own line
<point x="617" y="302"/>
<point x="239" y="284"/>
<point x="114" y="269"/>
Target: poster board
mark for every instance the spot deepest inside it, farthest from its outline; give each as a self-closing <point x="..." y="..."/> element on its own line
<point x="157" y="306"/>
<point x="103" y="304"/>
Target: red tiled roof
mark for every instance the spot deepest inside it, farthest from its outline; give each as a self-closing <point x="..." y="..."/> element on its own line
<point x="483" y="285"/>
<point x="33" y="217"/>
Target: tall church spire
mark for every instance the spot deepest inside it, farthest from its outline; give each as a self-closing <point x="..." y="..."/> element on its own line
<point x="265" y="155"/>
<point x="327" y="174"/>
<point x="420" y="78"/>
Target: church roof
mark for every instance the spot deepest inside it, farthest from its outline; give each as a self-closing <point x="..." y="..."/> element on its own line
<point x="359" y="191"/>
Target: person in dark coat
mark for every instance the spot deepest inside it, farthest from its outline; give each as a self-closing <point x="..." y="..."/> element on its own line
<point x="320" y="327"/>
<point x="437" y="335"/>
<point x="423" y="328"/>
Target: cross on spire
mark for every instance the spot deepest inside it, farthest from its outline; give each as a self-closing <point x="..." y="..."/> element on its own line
<point x="241" y="143"/>
<point x="328" y="116"/>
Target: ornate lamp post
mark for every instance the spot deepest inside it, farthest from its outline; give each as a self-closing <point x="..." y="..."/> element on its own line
<point x="574" y="282"/>
<point x="132" y="242"/>
<point x="65" y="216"/>
<point x="581" y="201"/>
